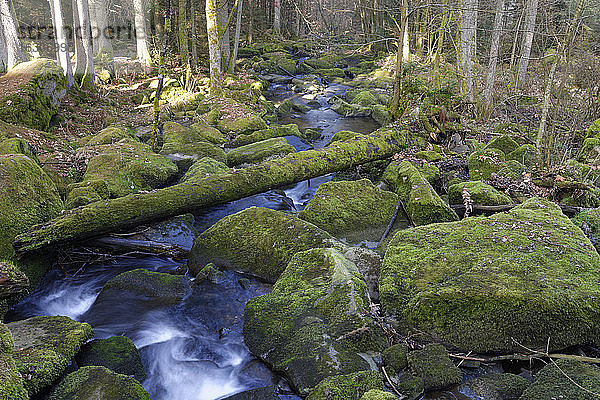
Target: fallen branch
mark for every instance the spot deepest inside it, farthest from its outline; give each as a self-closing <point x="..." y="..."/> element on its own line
<point x="565" y="208"/>
<point x="144" y="246"/>
<point x="392" y="221"/>
<point x="133" y="210"/>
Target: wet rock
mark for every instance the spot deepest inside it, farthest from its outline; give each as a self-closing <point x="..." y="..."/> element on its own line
<point x="184" y="146"/>
<point x="31" y="93"/>
<point x="495" y="387"/>
<point x="351" y="209"/>
<point x="504" y="143"/>
<point x="483" y="163"/>
<point x="207" y="133"/>
<point x="492" y="284"/>
<point x="395" y="357"/>
<point x="44" y="346"/>
<point x="313" y="324"/>
<point x="347" y="387"/>
<point x="259" y="151"/>
<point x="422" y="204"/>
<point x="12" y="282"/>
<point x="525" y="154"/>
<point x="551" y="382"/>
<point x="211" y="274"/>
<point x="479" y="192"/>
<point x="117" y="353"/>
<point x="257" y="240"/>
<point x="179" y="231"/>
<point x="264" y="393"/>
<point x="203" y="168"/>
<point x="375" y="394"/>
<point x="264" y="134"/>
<point x="91" y="383"/>
<point x="433" y="365"/>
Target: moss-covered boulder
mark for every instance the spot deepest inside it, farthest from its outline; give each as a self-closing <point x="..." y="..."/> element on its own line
<point x="117" y="353"/>
<point x="31" y="93"/>
<point x="590" y="151"/>
<point x="525" y="154"/>
<point x="207" y="133"/>
<point x="594" y="130"/>
<point x="346" y="109"/>
<point x="343" y="135"/>
<point x="232" y="123"/>
<point x="376" y="394"/>
<point x="257" y="152"/>
<point x="185" y="145"/>
<point x="395" y="357"/>
<point x="433" y="365"/>
<point x="347" y="387"/>
<point x="498" y="386"/>
<point x="11" y="382"/>
<point x="154" y="286"/>
<point x="127" y="166"/>
<point x="17" y="146"/>
<point x="495" y="283"/>
<point x="257" y="240"/>
<point x="589" y="222"/>
<point x="422" y="204"/>
<point x="351" y="209"/>
<point x="429" y="155"/>
<point x="264" y="134"/>
<point x="110" y="135"/>
<point x="504" y="143"/>
<point x="481" y="194"/>
<point x="92" y="383"/>
<point x="203" y="168"/>
<point x="44" y="346"/>
<point x="483" y="163"/>
<point x="513" y="170"/>
<point x="565" y="379"/>
<point x="314" y="323"/>
<point x="28" y="197"/>
<point x="381" y="114"/>
<point x="12" y="282"/>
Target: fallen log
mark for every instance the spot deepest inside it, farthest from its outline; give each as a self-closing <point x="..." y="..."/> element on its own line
<point x="570" y="210"/>
<point x="133" y="210"/>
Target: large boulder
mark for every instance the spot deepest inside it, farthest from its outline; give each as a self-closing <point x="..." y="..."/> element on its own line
<point x="203" y="168"/>
<point x="185" y="145"/>
<point x="11" y="382"/>
<point x="565" y="379"/>
<point x="44" y="346"/>
<point x="422" y="204"/>
<point x="117" y="353"/>
<point x="481" y="194"/>
<point x="314" y="324"/>
<point x="495" y="284"/>
<point x="31" y="93"/>
<point x="257" y="152"/>
<point x="93" y="383"/>
<point x="257" y="241"/>
<point x="264" y="134"/>
<point x="356" y="210"/>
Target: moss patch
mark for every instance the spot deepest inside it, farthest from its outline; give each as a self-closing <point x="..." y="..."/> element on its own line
<point x="433" y="365"/>
<point x="117" y="353"/>
<point x="12" y="282"/>
<point x="480" y="193"/>
<point x="551" y="382"/>
<point x="483" y="163"/>
<point x="11" y="383"/>
<point x="347" y="387"/>
<point x="257" y="152"/>
<point x="207" y="133"/>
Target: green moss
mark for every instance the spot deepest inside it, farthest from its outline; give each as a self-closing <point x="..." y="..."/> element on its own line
<point x="395" y="357"/>
<point x="479" y="192"/>
<point x="381" y="114"/>
<point x="330" y="72"/>
<point x="344" y="135"/>
<point x="364" y="98"/>
<point x="483" y="163"/>
<point x="349" y="208"/>
<point x="264" y="134"/>
<point x="590" y="151"/>
<point x="433" y="365"/>
<point x="36" y="89"/>
<point x="410" y="385"/>
<point x="504" y="143"/>
<point x="428" y="171"/>
<point x="238" y="125"/>
<point x="203" y="168"/>
<point x="91" y="383"/>
<point x="347" y="387"/>
<point x="109" y="135"/>
<point x="589" y="222"/>
<point x="376" y="394"/>
<point x="213" y="117"/>
<point x="346" y="109"/>
<point x="429" y="156"/>
<point x="257" y="152"/>
<point x="512" y="169"/>
<point x="11" y="383"/>
<point x="555" y="381"/>
<point x="210" y="273"/>
<point x="420" y="201"/>
<point x="319" y="63"/>
<point x="497" y="386"/>
<point x="153" y="285"/>
<point x="313" y="324"/>
<point x="117" y="353"/>
<point x="208" y="133"/>
<point x="17" y="146"/>
<point x="28" y="197"/>
<point x="44" y="346"/>
<point x="81" y="196"/>
<point x="525" y="154"/>
<point x="526" y="275"/>
<point x="259" y="241"/>
<point x="12" y="282"/>
<point x="594" y="130"/>
<point x="6" y="341"/>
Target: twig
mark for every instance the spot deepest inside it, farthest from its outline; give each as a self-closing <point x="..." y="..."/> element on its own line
<point x="391" y="384"/>
<point x="392" y="221"/>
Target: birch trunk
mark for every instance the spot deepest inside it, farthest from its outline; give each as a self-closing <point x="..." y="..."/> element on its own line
<point x="85" y="58"/>
<point x="224" y="41"/>
<point x="493" y="62"/>
<point x="468" y="41"/>
<point x="214" y="50"/>
<point x="141" y="33"/>
<point x="530" y="17"/>
<point x="238" y="32"/>
<point x="277" y="17"/>
<point x="62" y="45"/>
<point x="12" y="43"/>
<point x="99" y="22"/>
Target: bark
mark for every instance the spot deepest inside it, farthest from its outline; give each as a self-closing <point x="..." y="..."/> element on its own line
<point x="62" y="45"/>
<point x="395" y="106"/>
<point x="99" y="22"/>
<point x="277" y="17"/>
<point x="224" y="32"/>
<point x="127" y="212"/>
<point x="3" y="51"/>
<point x="468" y="41"/>
<point x="238" y="31"/>
<point x="161" y="74"/>
<point x="12" y="43"/>
<point x="214" y="51"/>
<point x="85" y="57"/>
<point x="493" y="62"/>
<point x="141" y="33"/>
<point x="183" y="32"/>
<point x="530" y="17"/>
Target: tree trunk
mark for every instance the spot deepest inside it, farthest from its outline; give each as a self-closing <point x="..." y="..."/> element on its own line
<point x="62" y="45"/>
<point x="194" y="35"/>
<point x="238" y="31"/>
<point x="12" y="44"/>
<point x="250" y="22"/>
<point x="84" y="54"/>
<point x="130" y="211"/>
<point x="161" y="74"/>
<point x="99" y="22"/>
<point x="395" y="106"/>
<point x="493" y="62"/>
<point x="224" y="41"/>
<point x="214" y="51"/>
<point x="141" y="33"/>
<point x="183" y="33"/>
<point x="277" y="17"/>
<point x="468" y="41"/>
<point x="532" y="8"/>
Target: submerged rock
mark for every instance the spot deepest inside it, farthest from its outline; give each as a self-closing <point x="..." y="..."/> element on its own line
<point x="257" y="240"/>
<point x="314" y="323"/>
<point x="559" y="380"/>
<point x="117" y="353"/>
<point x="44" y="346"/>
<point x="31" y="93"/>
<point x="433" y="365"/>
<point x="260" y="151"/>
<point x="92" y="383"/>
<point x="494" y="284"/>
<point x="356" y="210"/>
<point x="347" y="387"/>
<point x="479" y="192"/>
<point x="495" y="387"/>
<point x="264" y="393"/>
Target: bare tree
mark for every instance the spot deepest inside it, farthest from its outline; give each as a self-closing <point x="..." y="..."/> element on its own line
<point x="141" y="33"/>
<point x="11" y="51"/>
<point x="62" y="45"/>
<point x="214" y="50"/>
<point x="99" y="22"/>
<point x="84" y="70"/>
<point x="238" y="31"/>
<point x="277" y="17"/>
<point x="530" y="17"/>
<point x="468" y="44"/>
<point x="224" y="41"/>
<point x="495" y="45"/>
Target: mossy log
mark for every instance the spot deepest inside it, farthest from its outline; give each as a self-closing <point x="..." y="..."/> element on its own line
<point x="126" y="212"/>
